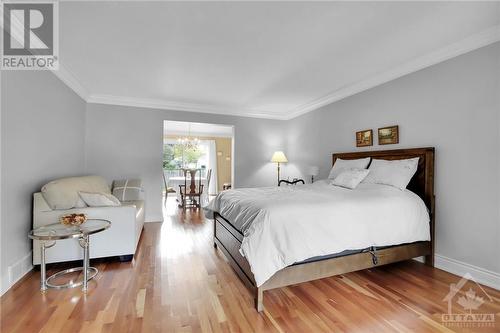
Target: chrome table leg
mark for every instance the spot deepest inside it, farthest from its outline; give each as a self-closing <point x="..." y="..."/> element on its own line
<point x="43" y="273"/>
<point x="43" y="269"/>
<point x="84" y="242"/>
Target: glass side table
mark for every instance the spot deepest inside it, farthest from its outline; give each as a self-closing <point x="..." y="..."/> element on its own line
<point x="49" y="234"/>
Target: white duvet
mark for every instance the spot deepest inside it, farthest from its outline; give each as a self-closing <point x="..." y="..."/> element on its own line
<point x="285" y="225"/>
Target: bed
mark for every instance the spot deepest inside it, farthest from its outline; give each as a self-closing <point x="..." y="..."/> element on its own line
<point x="267" y="257"/>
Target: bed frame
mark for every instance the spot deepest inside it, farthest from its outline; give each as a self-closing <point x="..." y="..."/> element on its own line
<point x="228" y="239"/>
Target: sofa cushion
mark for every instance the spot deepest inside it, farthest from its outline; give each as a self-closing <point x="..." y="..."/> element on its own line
<point x="63" y="193"/>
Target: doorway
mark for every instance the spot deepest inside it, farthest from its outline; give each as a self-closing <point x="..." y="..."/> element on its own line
<point x="207" y="148"/>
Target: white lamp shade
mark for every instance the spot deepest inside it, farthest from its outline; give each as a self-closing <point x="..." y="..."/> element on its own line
<point x="313" y="171"/>
<point x="279" y="157"/>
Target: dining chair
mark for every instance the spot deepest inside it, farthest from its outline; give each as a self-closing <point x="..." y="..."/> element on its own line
<point x="167" y="188"/>
<point x="191" y="195"/>
<point x="207" y="192"/>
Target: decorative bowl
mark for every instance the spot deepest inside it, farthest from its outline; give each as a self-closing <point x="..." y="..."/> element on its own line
<point x="73" y="219"/>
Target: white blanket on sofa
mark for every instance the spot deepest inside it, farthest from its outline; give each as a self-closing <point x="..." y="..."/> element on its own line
<point x="284" y="225"/>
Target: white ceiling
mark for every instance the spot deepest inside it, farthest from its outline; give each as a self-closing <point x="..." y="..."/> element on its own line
<point x="264" y="59"/>
<point x="183" y="128"/>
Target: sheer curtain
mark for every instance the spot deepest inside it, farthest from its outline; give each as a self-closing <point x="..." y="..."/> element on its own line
<point x="212" y="164"/>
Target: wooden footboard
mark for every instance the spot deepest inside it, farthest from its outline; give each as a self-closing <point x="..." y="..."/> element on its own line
<point x="340" y="265"/>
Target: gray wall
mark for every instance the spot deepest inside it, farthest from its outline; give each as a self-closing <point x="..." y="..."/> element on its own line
<point x="42" y="138"/>
<point x="128" y="142"/>
<point x="453" y="106"/>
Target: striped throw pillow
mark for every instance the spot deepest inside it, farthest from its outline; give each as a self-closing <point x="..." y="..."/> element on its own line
<point x="128" y="189"/>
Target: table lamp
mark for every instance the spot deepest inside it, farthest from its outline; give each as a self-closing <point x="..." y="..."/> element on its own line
<point x="279" y="157"/>
<point x="313" y="171"/>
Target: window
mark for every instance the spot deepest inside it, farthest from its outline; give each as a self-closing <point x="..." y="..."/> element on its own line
<point x="177" y="156"/>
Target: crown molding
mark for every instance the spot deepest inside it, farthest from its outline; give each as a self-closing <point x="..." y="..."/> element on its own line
<point x="471" y="43"/>
<point x="71" y="81"/>
<point x="181" y="106"/>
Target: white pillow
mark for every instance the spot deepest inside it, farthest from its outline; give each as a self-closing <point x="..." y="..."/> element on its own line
<point x="342" y="165"/>
<point x="350" y="178"/>
<point x="80" y="203"/>
<point x="397" y="173"/>
<point x="99" y="199"/>
<point x="63" y="193"/>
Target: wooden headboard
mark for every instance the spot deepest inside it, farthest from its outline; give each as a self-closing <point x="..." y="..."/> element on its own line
<point x="422" y="182"/>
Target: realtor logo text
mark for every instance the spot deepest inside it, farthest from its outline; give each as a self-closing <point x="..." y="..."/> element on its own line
<point x="30" y="36"/>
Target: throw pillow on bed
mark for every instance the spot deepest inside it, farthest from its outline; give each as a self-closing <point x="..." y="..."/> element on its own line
<point x="397" y="173"/>
<point x="350" y="178"/>
<point x="99" y="199"/>
<point x="343" y="165"/>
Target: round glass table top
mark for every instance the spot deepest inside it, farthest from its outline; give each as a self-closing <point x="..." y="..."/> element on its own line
<point x="60" y="231"/>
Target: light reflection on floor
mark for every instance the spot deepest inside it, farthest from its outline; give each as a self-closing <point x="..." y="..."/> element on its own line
<point x="183" y="231"/>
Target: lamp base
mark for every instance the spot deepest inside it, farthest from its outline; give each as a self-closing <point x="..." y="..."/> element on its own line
<point x="278" y="173"/>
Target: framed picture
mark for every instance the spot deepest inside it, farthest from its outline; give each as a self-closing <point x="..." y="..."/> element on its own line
<point x="388" y="135"/>
<point x="364" y="138"/>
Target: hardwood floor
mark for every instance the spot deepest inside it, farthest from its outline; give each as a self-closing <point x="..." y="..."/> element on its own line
<point x="179" y="283"/>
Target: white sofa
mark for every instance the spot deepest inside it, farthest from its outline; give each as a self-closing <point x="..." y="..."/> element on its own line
<point x="120" y="239"/>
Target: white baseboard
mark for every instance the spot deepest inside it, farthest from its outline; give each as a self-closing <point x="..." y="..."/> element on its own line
<point x="4" y="284"/>
<point x="481" y="275"/>
<point x="16" y="271"/>
<point x="460" y="268"/>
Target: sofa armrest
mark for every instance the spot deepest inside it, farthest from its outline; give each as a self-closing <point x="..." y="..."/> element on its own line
<point x="39" y="203"/>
